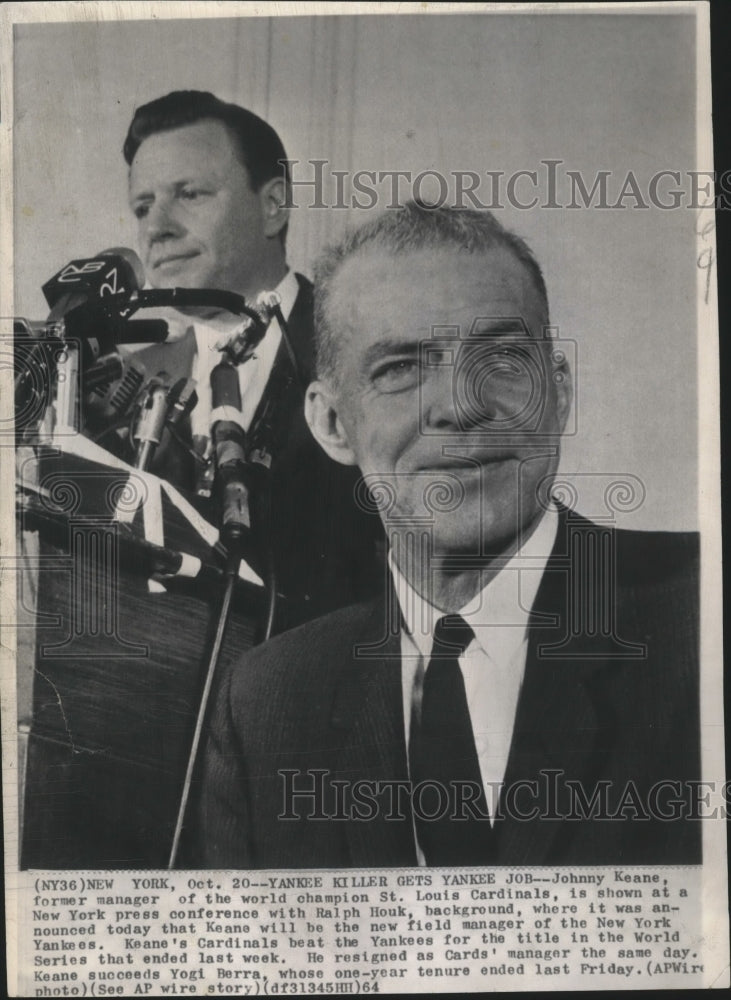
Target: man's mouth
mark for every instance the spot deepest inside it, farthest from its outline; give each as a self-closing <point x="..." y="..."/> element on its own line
<point x="173" y="259"/>
<point x="460" y="463"/>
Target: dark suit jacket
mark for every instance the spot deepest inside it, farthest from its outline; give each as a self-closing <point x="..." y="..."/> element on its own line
<point x="609" y="701"/>
<point x="325" y="549"/>
<point x="324" y="545"/>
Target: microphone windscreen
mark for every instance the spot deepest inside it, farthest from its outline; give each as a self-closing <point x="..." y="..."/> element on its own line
<point x="134" y="262"/>
<point x="87" y="279"/>
<point x="225" y="388"/>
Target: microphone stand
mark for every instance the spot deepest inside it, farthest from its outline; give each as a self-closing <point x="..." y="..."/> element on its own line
<point x="234" y="471"/>
<point x="229" y="442"/>
<point x="233" y="561"/>
<point x="99" y="327"/>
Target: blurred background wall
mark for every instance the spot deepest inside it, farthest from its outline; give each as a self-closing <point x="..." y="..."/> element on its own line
<point x="449" y="92"/>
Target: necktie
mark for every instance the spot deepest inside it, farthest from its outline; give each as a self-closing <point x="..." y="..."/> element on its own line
<point x="443" y="759"/>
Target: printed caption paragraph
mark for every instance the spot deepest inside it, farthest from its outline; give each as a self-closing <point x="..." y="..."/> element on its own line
<point x="218" y="934"/>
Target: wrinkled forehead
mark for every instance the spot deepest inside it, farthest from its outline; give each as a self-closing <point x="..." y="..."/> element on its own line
<point x="435" y="287"/>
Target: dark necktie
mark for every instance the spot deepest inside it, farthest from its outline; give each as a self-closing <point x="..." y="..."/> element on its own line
<point x="443" y="757"/>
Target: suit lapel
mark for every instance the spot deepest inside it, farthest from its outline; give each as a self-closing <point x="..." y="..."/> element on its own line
<point x="280" y="411"/>
<point x="368" y="710"/>
<point x="301" y="332"/>
<point x="560" y="727"/>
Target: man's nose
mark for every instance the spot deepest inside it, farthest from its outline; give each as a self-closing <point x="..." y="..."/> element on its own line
<point x="440" y="408"/>
<point x="161" y="222"/>
<point x="470" y="398"/>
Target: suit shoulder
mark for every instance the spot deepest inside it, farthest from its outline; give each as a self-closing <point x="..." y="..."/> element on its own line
<point x="639" y="556"/>
<point x="326" y="636"/>
<point x="301" y="667"/>
<point x="657" y="556"/>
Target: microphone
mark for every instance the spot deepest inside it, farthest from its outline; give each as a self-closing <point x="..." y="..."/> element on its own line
<point x="93" y="300"/>
<point x="229" y="451"/>
<point x="76" y="296"/>
<point x="78" y="282"/>
<point x="240" y="345"/>
<point x="110" y="387"/>
<point x="103" y="372"/>
<point x="151" y="418"/>
<point x="111" y="272"/>
<point x="182" y="398"/>
<point x="100" y="330"/>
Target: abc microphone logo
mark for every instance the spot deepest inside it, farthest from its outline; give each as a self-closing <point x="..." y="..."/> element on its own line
<point x="77" y="273"/>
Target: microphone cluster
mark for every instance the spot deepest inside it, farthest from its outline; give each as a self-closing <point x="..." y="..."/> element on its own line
<point x="93" y="306"/>
<point x="93" y="311"/>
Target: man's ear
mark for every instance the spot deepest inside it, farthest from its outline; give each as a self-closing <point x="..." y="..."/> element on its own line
<point x="273" y="199"/>
<point x="564" y="391"/>
<point x="325" y="424"/>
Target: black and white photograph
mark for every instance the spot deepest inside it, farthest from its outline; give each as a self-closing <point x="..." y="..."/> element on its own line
<point x="360" y="499"/>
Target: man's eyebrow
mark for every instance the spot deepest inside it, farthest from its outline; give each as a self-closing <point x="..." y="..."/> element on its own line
<point x="500" y="325"/>
<point x="176" y="186"/>
<point x="385" y="348"/>
<point x="140" y="194"/>
<point x="493" y="326"/>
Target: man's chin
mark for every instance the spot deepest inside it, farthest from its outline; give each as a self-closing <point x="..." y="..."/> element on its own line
<point x="180" y="279"/>
<point x="482" y="534"/>
<point x="471" y="545"/>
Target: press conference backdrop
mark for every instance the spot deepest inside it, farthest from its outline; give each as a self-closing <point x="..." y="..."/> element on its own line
<point x="446" y="93"/>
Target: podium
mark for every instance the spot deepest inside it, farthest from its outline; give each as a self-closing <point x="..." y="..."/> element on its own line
<point x="116" y="661"/>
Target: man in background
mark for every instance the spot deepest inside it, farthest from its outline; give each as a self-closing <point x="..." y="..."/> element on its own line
<point x="208" y="186"/>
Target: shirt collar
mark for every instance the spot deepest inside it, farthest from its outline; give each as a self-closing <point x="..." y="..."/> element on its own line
<point x="288" y="290"/>
<point x="506" y="601"/>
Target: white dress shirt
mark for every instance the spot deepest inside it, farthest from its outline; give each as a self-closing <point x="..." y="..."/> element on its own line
<point x="494" y="663"/>
<point x="253" y="374"/>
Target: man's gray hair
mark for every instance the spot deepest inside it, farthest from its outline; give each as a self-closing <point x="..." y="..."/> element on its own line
<point x="414" y="226"/>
